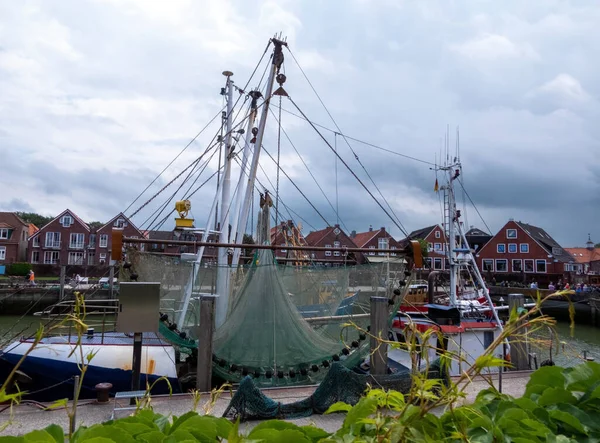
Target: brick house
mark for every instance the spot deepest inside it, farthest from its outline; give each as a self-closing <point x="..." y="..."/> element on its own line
<point x="586" y="262"/>
<point x="332" y="237"/>
<point x="523" y="252"/>
<point x="13" y="238"/>
<point x="436" y="246"/>
<point x="287" y="234"/>
<point x="99" y="246"/>
<point x="61" y="241"/>
<point x="477" y="239"/>
<point x="375" y="239"/>
<point x="209" y="255"/>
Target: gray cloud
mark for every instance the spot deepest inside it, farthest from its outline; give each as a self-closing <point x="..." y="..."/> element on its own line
<point x="98" y="96"/>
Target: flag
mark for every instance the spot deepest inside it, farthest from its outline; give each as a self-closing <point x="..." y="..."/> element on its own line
<point x="436" y="188"/>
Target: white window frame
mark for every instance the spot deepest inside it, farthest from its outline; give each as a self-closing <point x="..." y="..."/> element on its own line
<point x="76" y="240"/>
<point x="515" y="246"/>
<point x="489" y="261"/>
<point x="537" y="262"/>
<point x="76" y="258"/>
<point x="54" y="257"/>
<point x="33" y="254"/>
<point x="283" y="251"/>
<point x="512" y="264"/>
<point x="91" y="258"/>
<point x="120" y="223"/>
<point x="428" y="263"/>
<point x="3" y="253"/>
<point x="52" y="240"/>
<point x="437" y="264"/>
<point x="383" y="243"/>
<point x="336" y="253"/>
<point x="3" y="233"/>
<point x="336" y="244"/>
<point x="327" y="253"/>
<point x="502" y="260"/>
<point x="509" y="231"/>
<point x="63" y="220"/>
<point x="36" y="241"/>
<point x="103" y="241"/>
<point x="524" y="248"/>
<point x="371" y="247"/>
<point x="429" y="247"/>
<point x="498" y="246"/>
<point x="393" y="253"/>
<point x="532" y="265"/>
<point x="438" y="234"/>
<point x="437" y="247"/>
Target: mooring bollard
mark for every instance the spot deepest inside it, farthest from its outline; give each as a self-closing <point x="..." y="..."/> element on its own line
<point x="205" y="342"/>
<point x="103" y="392"/>
<point x="379" y="313"/>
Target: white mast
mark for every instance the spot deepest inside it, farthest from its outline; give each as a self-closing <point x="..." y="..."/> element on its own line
<point x="222" y="262"/>
<point x="452" y="237"/>
<point x="198" y="259"/>
<point x="277" y="60"/>
<point x="236" y="233"/>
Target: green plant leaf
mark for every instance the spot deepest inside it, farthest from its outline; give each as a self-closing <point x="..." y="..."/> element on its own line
<point x="362" y="409"/>
<point x="277" y="436"/>
<point x="278" y="425"/>
<point x="234" y="433"/>
<point x="181" y="435"/>
<point x="178" y="421"/>
<point x="567" y="419"/>
<point x="223" y="427"/>
<point x="11" y="439"/>
<point x="101" y="440"/>
<point x="106" y="431"/>
<point x="132" y="429"/>
<point x="56" y="432"/>
<point x="40" y="436"/>
<point x="545" y="377"/>
<point x="314" y="433"/>
<point x="58" y="404"/>
<point x="552" y="396"/>
<point x="339" y="406"/>
<point x="151" y="437"/>
<point x="201" y="427"/>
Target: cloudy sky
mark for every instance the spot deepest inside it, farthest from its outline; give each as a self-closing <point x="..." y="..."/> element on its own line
<point x="97" y="96"/>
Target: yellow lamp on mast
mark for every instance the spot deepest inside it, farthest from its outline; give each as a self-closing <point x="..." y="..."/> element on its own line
<point x="183" y="207"/>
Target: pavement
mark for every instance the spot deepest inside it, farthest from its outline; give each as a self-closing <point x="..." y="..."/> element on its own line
<point x="27" y="417"/>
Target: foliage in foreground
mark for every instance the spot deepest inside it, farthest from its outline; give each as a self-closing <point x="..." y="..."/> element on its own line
<point x="559" y="405"/>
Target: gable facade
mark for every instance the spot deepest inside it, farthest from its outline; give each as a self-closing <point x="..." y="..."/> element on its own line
<point x="332" y="237"/>
<point x="14" y="233"/>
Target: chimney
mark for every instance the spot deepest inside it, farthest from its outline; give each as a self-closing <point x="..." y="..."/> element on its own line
<point x="382" y="228"/>
<point x="353" y="234"/>
<point x="589" y="244"/>
<point x="370" y="228"/>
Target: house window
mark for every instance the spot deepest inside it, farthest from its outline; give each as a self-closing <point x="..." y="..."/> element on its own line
<point x="51" y="257"/>
<point x="383" y="243"/>
<point x="556" y="251"/>
<point x="528" y="265"/>
<point x="336" y="244"/>
<point x="517" y="265"/>
<point x="2" y="252"/>
<point x="511" y="233"/>
<point x="76" y="258"/>
<point x="120" y="223"/>
<point x="91" y="259"/>
<point x="501" y="265"/>
<point x="327" y="253"/>
<point x="438" y="234"/>
<point x="428" y="263"/>
<point x="512" y="248"/>
<point x="371" y="247"/>
<point x="336" y="253"/>
<point x="66" y="221"/>
<point x="429" y="247"/>
<point x="501" y="248"/>
<point x="76" y="241"/>
<point x="104" y="240"/>
<point x="92" y="241"/>
<point x="437" y="263"/>
<point x="437" y="247"/>
<point x="524" y="248"/>
<point x="540" y="266"/>
<point x="393" y="253"/>
<point x="283" y="251"/>
<point x="35" y="257"/>
<point x="446" y="263"/>
<point x="488" y="265"/>
<point x="36" y="241"/>
<point x="4" y="233"/>
<point x="52" y="239"/>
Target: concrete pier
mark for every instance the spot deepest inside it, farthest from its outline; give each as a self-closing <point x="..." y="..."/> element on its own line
<point x="27" y="418"/>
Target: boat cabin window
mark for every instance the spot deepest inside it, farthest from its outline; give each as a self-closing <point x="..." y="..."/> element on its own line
<point x="488" y="338"/>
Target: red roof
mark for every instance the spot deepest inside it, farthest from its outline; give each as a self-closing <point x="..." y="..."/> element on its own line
<point x="584" y="255"/>
<point x="362" y="238"/>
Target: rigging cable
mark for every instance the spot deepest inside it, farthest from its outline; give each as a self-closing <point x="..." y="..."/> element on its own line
<point x="473" y="203"/>
<point x="337" y="207"/>
<point x="398" y="225"/>
<point x="310" y="172"/>
<point x="278" y="166"/>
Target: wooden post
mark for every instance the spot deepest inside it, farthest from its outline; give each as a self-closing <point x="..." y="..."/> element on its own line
<point x="111" y="285"/>
<point x="63" y="272"/>
<point x="518" y="348"/>
<point x="205" y="342"/>
<point x="379" y="327"/>
<point x="136" y="366"/>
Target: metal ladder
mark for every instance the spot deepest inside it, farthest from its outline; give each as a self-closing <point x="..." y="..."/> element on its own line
<point x="123" y="395"/>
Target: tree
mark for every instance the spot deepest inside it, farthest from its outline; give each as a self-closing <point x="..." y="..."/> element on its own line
<point x="95" y="224"/>
<point x="248" y="240"/>
<point x="597" y="245"/>
<point x="37" y="219"/>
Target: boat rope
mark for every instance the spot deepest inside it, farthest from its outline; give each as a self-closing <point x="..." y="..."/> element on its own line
<point x="26" y="393"/>
<point x="337" y="200"/>
<point x="357" y="140"/>
<point x="398" y="225"/>
<point x="312" y="175"/>
<point x="473" y="203"/>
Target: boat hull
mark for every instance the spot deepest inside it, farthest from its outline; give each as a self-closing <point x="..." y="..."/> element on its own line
<point x="51" y="367"/>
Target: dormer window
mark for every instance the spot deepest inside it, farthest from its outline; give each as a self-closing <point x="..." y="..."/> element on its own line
<point x="66" y="221"/>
